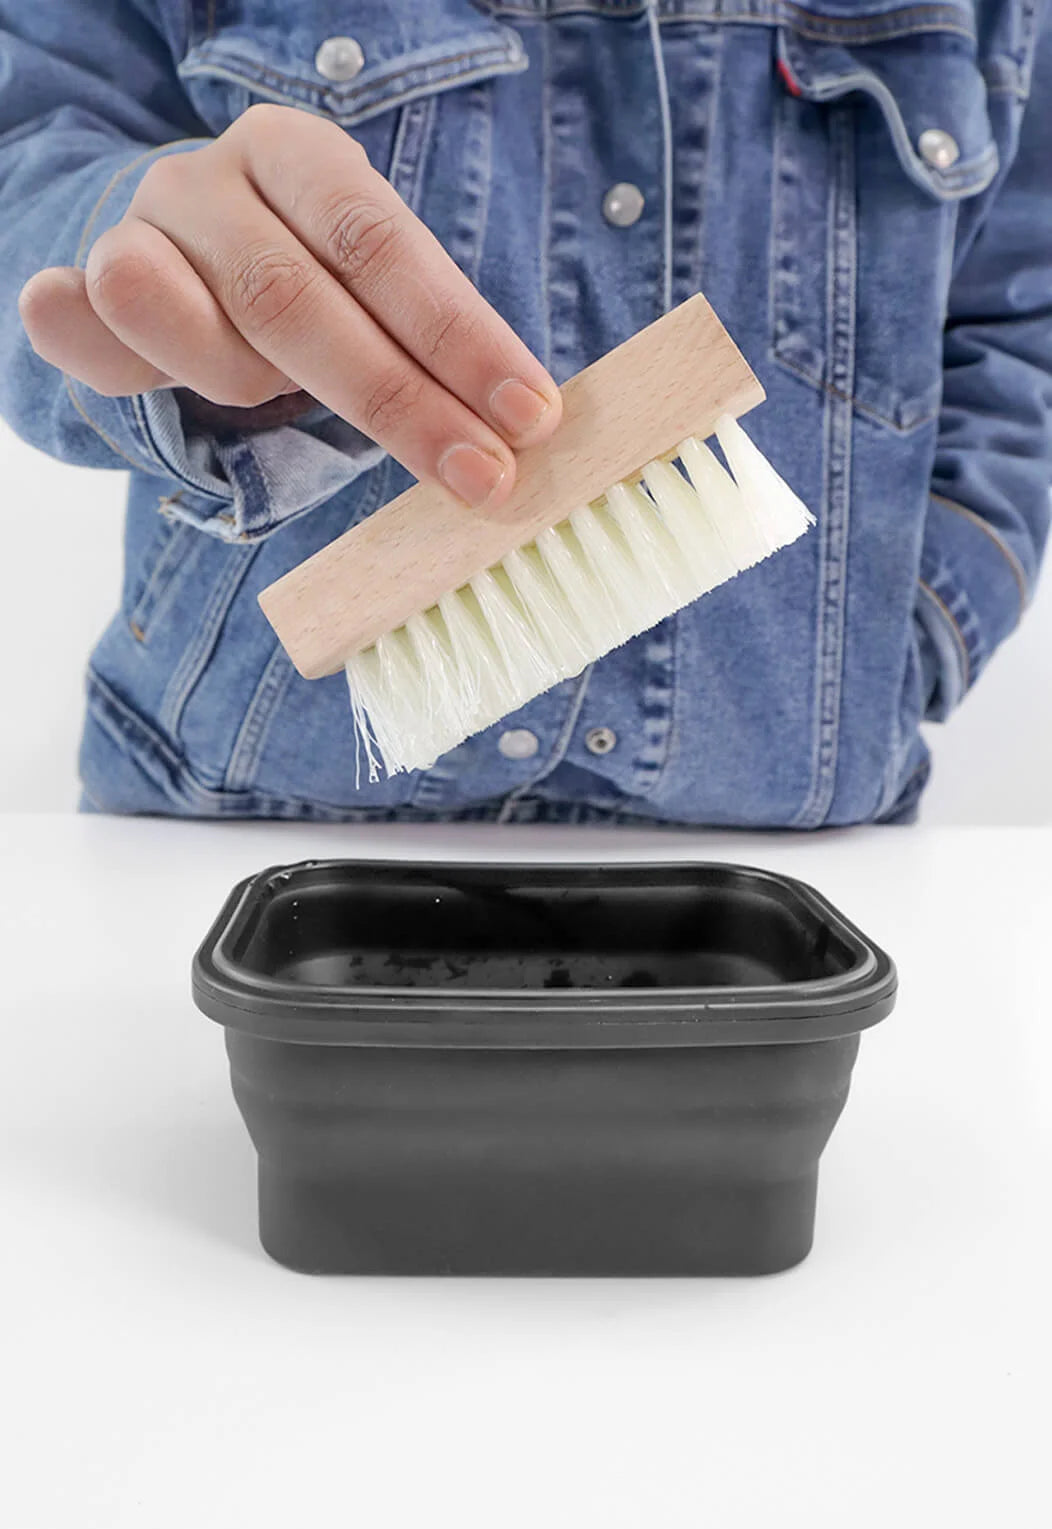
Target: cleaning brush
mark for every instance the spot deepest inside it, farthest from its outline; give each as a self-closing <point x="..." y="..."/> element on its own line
<point x="446" y="619"/>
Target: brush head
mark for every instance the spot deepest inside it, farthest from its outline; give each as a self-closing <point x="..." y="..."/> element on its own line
<point x="608" y="571"/>
<point x="446" y="620"/>
<point x="671" y="381"/>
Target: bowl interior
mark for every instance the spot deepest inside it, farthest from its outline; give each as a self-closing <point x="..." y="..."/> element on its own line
<point x="534" y="928"/>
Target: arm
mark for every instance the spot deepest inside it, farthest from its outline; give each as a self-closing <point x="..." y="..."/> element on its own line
<point x="74" y="144"/>
<point x="989" y="512"/>
<point x="162" y="264"/>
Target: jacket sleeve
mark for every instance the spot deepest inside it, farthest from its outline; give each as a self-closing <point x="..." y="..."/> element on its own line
<point x="989" y="510"/>
<point x="89" y="97"/>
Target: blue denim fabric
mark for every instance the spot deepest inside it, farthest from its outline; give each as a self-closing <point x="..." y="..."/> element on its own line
<point x="899" y="315"/>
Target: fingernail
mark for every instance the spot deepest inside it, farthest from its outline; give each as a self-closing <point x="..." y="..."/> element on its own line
<point x="471" y="474"/>
<point x="518" y="408"/>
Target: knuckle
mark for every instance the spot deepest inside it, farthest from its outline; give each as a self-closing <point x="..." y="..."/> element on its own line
<point x="160" y="178"/>
<point x="362" y="238"/>
<point x="449" y="330"/>
<point x="393" y="400"/>
<point x="35" y="300"/>
<point x="264" y="118"/>
<point x="267" y="285"/>
<point x="120" y="281"/>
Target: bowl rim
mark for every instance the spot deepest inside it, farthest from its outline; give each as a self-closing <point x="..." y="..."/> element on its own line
<point x="816" y="1009"/>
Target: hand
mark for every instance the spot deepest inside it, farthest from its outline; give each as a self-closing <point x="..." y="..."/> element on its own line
<point x="276" y="259"/>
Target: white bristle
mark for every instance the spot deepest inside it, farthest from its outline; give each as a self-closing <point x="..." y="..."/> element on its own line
<point x="522" y="659"/>
<point x="610" y="570"/>
<point x="651" y="545"/>
<point x="564" y="558"/>
<point x="445" y="702"/>
<point x="554" y="622"/>
<point x="695" y="530"/>
<point x="623" y="588"/>
<point x="730" y="515"/>
<point x="775" y="514"/>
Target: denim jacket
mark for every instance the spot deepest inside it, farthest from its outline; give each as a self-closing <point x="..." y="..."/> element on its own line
<point x="862" y="190"/>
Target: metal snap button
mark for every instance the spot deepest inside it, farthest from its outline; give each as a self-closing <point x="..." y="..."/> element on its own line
<point x="623" y="205"/>
<point x="600" y="740"/>
<point x="518" y="743"/>
<point x="938" y="149"/>
<point x="339" y="59"/>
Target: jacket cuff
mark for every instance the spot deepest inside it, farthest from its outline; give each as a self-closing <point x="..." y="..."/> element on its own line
<point x="241" y="485"/>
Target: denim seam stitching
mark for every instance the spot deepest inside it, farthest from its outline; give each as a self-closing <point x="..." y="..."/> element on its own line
<point x="486" y="194"/>
<point x="972" y="176"/>
<point x="267" y="74"/>
<point x="158" y="589"/>
<point x="825" y="29"/>
<point x="672" y="738"/>
<point x="558" y="750"/>
<point x="647" y="790"/>
<point x="150" y="752"/>
<point x="781" y="241"/>
<point x="255" y="724"/>
<point x="206" y="633"/>
<point x="1025" y="594"/>
<point x="394" y="174"/>
<point x="136" y="736"/>
<point x="546" y="195"/>
<point x="1027" y="45"/>
<point x="958" y="636"/>
<point x="778" y="141"/>
<point x="243" y="71"/>
<point x="850" y="398"/>
<point x="907" y="20"/>
<point x="468" y="231"/>
<point x="406" y="167"/>
<point x="99" y="431"/>
<point x="363" y="110"/>
<point x="832" y="573"/>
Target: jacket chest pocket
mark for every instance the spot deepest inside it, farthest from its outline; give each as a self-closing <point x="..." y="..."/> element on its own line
<point x="376" y="67"/>
<point x="880" y="131"/>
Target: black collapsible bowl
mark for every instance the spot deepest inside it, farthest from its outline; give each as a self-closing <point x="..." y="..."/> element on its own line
<point x="586" y="1069"/>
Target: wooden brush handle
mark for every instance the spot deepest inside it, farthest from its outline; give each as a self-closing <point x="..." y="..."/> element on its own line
<point x="672" y="380"/>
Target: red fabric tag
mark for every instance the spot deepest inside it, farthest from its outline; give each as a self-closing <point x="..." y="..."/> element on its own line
<point x="787" y="79"/>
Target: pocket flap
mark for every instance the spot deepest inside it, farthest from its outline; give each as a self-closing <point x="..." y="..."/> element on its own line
<point x="408" y="49"/>
<point x="919" y="65"/>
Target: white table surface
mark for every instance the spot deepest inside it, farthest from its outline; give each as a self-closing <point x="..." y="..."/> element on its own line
<point x="157" y="1370"/>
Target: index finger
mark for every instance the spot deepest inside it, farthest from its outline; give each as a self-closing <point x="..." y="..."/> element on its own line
<point x="318" y="181"/>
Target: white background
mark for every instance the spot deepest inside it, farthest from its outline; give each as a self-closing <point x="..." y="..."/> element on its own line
<point x="62" y="529"/>
<point x="161" y="1373"/>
